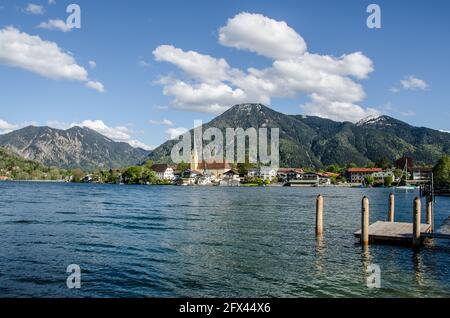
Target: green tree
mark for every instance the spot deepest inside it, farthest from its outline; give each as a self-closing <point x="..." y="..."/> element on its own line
<point x="442" y="171"/>
<point x="369" y="180"/>
<point x="259" y="182"/>
<point x="149" y="176"/>
<point x="55" y="174"/>
<point x="388" y="181"/>
<point x="352" y="165"/>
<point x="333" y="179"/>
<point x="22" y="176"/>
<point x="398" y="173"/>
<point x="112" y="176"/>
<point x="334" y="169"/>
<point x="77" y="175"/>
<point x="243" y="168"/>
<point x="384" y="163"/>
<point x="182" y="166"/>
<point x="132" y="175"/>
<point x="148" y="164"/>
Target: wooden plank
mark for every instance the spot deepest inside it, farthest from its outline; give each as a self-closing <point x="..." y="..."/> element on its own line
<point x="392" y="231"/>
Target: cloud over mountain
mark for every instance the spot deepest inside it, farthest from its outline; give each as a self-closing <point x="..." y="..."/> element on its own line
<point x="209" y="84"/>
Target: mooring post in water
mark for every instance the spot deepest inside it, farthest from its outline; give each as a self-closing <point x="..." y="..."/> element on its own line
<point x="365" y="221"/>
<point x="391" y="212"/>
<point x="416" y="223"/>
<point x="430" y="212"/>
<point x="319" y="215"/>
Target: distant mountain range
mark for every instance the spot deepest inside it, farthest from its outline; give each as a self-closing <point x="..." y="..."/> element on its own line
<point x="308" y="141"/>
<point x="77" y="147"/>
<point x="305" y="141"/>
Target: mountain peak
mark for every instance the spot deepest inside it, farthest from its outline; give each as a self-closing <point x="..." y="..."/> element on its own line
<point x="317" y="142"/>
<point x="248" y="108"/>
<point x="380" y="121"/>
<point x="371" y="119"/>
<point x="72" y="148"/>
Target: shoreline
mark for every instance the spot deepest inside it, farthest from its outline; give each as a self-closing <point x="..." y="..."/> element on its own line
<point x="274" y="185"/>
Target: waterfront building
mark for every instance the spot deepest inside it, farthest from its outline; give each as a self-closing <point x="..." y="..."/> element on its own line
<point x="164" y="171"/>
<point x="290" y="173"/>
<point x="379" y="177"/>
<point x="422" y="174"/>
<point x="230" y="179"/>
<point x="357" y="175"/>
<point x="267" y="173"/>
<point x="188" y="178"/>
<point x="215" y="169"/>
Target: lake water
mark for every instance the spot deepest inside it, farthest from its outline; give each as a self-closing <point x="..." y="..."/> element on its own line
<point x="144" y="241"/>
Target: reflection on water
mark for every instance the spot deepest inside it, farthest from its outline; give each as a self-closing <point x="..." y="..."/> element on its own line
<point x="137" y="241"/>
<point x="320" y="251"/>
<point x="418" y="268"/>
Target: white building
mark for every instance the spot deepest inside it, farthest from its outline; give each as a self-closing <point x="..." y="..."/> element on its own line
<point x="267" y="173"/>
<point x="164" y="171"/>
<point x="379" y="177"/>
<point x="358" y="175"/>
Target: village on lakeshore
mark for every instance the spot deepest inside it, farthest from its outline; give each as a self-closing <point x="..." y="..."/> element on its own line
<point x="401" y="173"/>
<point x="201" y="173"/>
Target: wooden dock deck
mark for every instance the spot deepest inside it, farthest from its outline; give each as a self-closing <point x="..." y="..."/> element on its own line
<point x="393" y="232"/>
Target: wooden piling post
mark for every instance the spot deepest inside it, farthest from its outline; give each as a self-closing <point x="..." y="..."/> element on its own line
<point x="416" y="223"/>
<point x="430" y="213"/>
<point x="391" y="213"/>
<point x="365" y="221"/>
<point x="319" y="215"/>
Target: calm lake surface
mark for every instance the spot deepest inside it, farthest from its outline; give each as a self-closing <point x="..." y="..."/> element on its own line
<point x="144" y="241"/>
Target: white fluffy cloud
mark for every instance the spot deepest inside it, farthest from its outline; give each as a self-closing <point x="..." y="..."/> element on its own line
<point x="203" y="97"/>
<point x="173" y="133"/>
<point x="413" y="83"/>
<point x="31" y="53"/>
<point x="55" y="24"/>
<point x="92" y="64"/>
<point x="96" y="85"/>
<point x="198" y="66"/>
<point x="340" y="111"/>
<point x="262" y="35"/>
<point x="6" y="127"/>
<point x="118" y="133"/>
<point x="35" y="9"/>
<point x="211" y="85"/>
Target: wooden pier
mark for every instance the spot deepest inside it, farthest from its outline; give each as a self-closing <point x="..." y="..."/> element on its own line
<point x="393" y="232"/>
<point x="390" y="232"/>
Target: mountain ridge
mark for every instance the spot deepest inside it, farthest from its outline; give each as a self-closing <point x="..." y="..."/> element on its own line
<point x="310" y="141"/>
<point x="76" y="147"/>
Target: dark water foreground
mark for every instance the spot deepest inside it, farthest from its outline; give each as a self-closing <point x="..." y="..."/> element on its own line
<point x="143" y="241"/>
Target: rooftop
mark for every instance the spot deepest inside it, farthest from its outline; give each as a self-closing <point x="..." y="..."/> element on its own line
<point x="364" y="170"/>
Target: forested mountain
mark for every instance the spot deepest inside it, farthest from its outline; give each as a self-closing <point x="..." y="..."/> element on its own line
<point x="308" y="141"/>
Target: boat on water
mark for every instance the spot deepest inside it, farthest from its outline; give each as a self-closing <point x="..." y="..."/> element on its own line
<point x="406" y="187"/>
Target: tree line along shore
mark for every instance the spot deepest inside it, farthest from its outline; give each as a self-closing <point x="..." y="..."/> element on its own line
<point x="16" y="168"/>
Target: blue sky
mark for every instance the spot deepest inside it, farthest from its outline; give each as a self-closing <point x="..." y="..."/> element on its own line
<point x="159" y="65"/>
